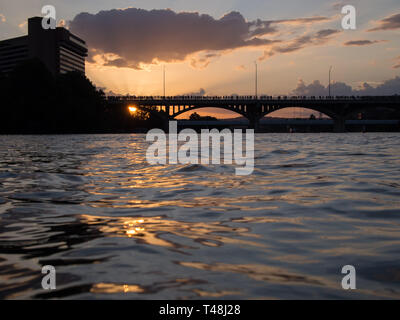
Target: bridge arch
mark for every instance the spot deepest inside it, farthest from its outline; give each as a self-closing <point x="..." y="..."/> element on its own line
<point x="368" y="107"/>
<point x="238" y="111"/>
<point x="315" y="110"/>
<point x="329" y="113"/>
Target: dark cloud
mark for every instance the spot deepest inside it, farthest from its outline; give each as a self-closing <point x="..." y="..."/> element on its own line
<point x="299" y="43"/>
<point x="139" y="36"/>
<point x="131" y="37"/>
<point x="390" y="23"/>
<point x="362" y="42"/>
<point x="388" y="87"/>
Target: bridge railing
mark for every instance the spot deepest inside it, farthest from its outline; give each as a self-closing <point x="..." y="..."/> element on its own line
<point x="251" y="98"/>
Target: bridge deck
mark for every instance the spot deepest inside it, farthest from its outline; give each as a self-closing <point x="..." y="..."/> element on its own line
<point x="255" y="108"/>
<point x="250" y="99"/>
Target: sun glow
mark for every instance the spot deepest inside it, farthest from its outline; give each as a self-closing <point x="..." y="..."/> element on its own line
<point x="132" y="109"/>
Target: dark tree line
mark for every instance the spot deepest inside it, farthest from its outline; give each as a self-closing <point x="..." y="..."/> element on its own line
<point x="196" y="117"/>
<point x="34" y="101"/>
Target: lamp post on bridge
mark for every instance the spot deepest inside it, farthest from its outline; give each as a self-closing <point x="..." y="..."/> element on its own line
<point x="164" y="81"/>
<point x="256" y="80"/>
<point x="329" y="86"/>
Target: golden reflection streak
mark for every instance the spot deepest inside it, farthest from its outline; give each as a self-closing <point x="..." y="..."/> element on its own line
<point x="115" y="288"/>
<point x="149" y="229"/>
<point x="259" y="272"/>
<point x="240" y="203"/>
<point x="279" y="275"/>
<point x="217" y="294"/>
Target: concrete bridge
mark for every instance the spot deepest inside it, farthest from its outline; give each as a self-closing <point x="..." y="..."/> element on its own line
<point x="254" y="108"/>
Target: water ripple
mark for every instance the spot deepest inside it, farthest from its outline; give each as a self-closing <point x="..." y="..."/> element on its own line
<point x="116" y="227"/>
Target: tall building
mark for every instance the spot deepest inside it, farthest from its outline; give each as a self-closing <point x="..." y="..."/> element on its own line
<point x="58" y="49"/>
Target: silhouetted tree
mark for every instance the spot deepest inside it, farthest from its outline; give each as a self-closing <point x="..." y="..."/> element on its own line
<point x="37" y="102"/>
<point x="28" y="94"/>
<point x="196" y="117"/>
<point x="80" y="106"/>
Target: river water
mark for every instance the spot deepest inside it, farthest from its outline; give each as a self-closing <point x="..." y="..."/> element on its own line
<point x="115" y="227"/>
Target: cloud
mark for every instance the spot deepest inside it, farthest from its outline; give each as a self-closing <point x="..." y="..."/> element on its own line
<point x="301" y="42"/>
<point x="203" y="60"/>
<point x="317" y="89"/>
<point x="110" y="92"/>
<point x="62" y="23"/>
<point x="119" y="62"/>
<point x="23" y="24"/>
<point x="338" y="5"/>
<point x="201" y="92"/>
<point x="301" y="21"/>
<point x="362" y="42"/>
<point x="389" y="23"/>
<point x="241" y="67"/>
<point x="109" y="60"/>
<point x="397" y="65"/>
<point x="262" y="27"/>
<point x="139" y="37"/>
<point x="388" y="87"/>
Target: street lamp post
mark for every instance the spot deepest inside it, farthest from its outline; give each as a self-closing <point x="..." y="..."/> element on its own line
<point x="256" y="79"/>
<point x="329" y="86"/>
<point x="164" y="80"/>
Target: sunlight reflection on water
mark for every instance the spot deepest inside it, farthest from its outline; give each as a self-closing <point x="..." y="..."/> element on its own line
<point x="115" y="227"/>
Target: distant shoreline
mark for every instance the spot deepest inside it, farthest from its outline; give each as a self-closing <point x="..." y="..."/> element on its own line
<point x="266" y="126"/>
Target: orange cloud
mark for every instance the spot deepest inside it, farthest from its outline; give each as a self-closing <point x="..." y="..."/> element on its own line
<point x="389" y="23"/>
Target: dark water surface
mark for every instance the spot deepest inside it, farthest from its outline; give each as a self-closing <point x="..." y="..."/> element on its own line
<point x="115" y="227"/>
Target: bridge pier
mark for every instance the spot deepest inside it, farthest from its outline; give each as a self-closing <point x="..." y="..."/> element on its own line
<point x="165" y="125"/>
<point x="253" y="112"/>
<point x="339" y="125"/>
<point x="254" y="123"/>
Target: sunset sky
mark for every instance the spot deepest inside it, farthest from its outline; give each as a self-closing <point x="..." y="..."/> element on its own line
<point x="210" y="46"/>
